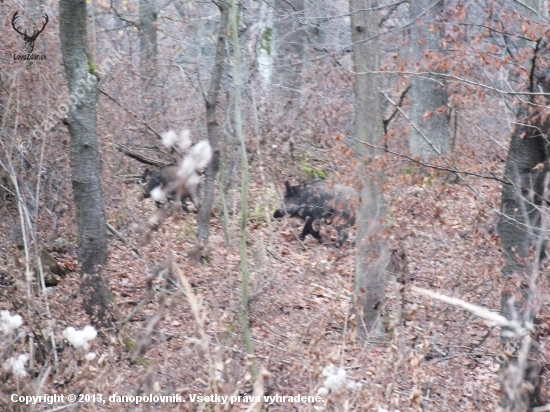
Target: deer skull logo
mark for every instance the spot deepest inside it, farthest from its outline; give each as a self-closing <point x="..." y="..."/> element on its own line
<point x="29" y="39"/>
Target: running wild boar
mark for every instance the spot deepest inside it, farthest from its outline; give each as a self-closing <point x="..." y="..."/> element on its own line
<point x="317" y="200"/>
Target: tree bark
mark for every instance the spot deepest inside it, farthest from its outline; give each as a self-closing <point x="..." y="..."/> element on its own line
<point x="213" y="129"/>
<point x="148" y="47"/>
<point x="289" y="40"/>
<point x="372" y="254"/>
<point x="428" y="94"/>
<point x="521" y="231"/>
<point x="245" y="315"/>
<point x="85" y="173"/>
<point x="265" y="48"/>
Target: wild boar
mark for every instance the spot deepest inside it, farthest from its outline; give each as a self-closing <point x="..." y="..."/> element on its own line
<point x="182" y="181"/>
<point x="165" y="177"/>
<point x="316" y="200"/>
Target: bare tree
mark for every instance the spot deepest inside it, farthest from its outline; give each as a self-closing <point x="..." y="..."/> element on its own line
<point x="522" y="227"/>
<point x="237" y="67"/>
<point x="213" y="128"/>
<point x="85" y="173"/>
<point x="371" y="255"/>
<point x="148" y="48"/>
<point x="429" y="112"/>
<point x="289" y="39"/>
<point x="265" y="47"/>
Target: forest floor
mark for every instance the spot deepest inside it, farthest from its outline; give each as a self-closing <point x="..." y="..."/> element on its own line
<point x="435" y="356"/>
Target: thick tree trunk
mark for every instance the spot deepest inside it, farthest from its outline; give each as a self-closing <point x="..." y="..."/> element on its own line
<point x="428" y="95"/>
<point x="85" y="173"/>
<point x="213" y="129"/>
<point x="289" y="40"/>
<point x="520" y="220"/>
<point x="372" y="253"/>
<point x="520" y="233"/>
<point x="523" y="240"/>
<point x="265" y="48"/>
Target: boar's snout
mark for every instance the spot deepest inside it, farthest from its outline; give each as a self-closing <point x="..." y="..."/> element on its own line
<point x="147" y="189"/>
<point x="279" y="213"/>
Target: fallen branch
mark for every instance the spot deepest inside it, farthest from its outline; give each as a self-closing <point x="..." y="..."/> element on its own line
<point x="115" y="232"/>
<point x="139" y="157"/>
<point x="493" y="318"/>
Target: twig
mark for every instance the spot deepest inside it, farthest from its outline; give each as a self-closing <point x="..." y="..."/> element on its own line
<point x="133" y="312"/>
<point x="151" y="128"/>
<point x="432" y="166"/>
<point x="139" y="157"/>
<point x="389" y="119"/>
<point x="117" y="233"/>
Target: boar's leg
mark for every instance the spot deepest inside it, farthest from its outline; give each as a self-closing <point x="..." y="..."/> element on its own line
<point x="342" y="235"/>
<point x="305" y="230"/>
<point x="316" y="235"/>
<point x="195" y="199"/>
<point x="184" y="205"/>
<point x="308" y="230"/>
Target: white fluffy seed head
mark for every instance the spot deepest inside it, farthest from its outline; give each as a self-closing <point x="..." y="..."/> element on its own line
<point x="187" y="167"/>
<point x="198" y="158"/>
<point x="158" y="194"/>
<point x="336" y="380"/>
<point x="335" y="377"/>
<point x="193" y="181"/>
<point x="185" y="142"/>
<point x="202" y="153"/>
<point x="9" y="323"/>
<point x="322" y="391"/>
<point x="169" y="138"/>
<point x="80" y="338"/>
<point x="16" y="365"/>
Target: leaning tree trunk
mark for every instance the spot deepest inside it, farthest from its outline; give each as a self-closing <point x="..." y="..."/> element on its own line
<point x="85" y="173"/>
<point x="372" y="255"/>
<point x="213" y="129"/>
<point x="429" y="112"/>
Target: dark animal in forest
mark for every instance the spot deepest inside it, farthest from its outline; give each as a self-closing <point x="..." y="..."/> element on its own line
<point x="318" y="200"/>
<point x="163" y="178"/>
<point x="179" y="182"/>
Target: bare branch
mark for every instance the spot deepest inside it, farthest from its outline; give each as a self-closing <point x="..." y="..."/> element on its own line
<point x="492" y="317"/>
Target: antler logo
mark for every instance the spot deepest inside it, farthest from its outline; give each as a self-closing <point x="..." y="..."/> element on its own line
<point x="29" y="39"/>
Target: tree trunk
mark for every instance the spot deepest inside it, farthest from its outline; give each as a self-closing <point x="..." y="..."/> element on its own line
<point x="85" y="173"/>
<point x="371" y="254"/>
<point x="523" y="240"/>
<point x="148" y="56"/>
<point x="213" y="129"/>
<point x="237" y="73"/>
<point x="289" y="50"/>
<point x="519" y="230"/>
<point x="265" y="48"/>
<point x="428" y="95"/>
